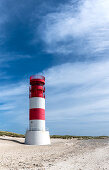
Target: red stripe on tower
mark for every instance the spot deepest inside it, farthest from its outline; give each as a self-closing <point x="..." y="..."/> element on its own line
<point x="37" y="114"/>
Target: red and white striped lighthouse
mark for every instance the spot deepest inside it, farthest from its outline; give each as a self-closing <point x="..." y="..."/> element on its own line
<point x="37" y="135"/>
<point x="37" y="103"/>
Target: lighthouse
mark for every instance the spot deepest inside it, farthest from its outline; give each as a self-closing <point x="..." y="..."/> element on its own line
<point x="37" y="134"/>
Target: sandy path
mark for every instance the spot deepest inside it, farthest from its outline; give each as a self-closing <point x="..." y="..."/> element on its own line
<point x="62" y="154"/>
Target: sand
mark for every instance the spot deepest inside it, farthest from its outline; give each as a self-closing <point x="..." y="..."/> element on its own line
<point x="62" y="154"/>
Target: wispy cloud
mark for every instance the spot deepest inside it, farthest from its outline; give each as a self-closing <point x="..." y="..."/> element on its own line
<point x="14" y="107"/>
<point x="84" y="30"/>
<point x="78" y="92"/>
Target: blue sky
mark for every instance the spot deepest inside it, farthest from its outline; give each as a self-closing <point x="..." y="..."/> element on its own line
<point x="68" y="42"/>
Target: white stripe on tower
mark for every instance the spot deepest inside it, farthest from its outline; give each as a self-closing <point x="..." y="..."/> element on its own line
<point x="38" y="125"/>
<point x="37" y="102"/>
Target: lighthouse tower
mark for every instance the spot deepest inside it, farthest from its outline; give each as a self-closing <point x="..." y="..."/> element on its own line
<point x="37" y="135"/>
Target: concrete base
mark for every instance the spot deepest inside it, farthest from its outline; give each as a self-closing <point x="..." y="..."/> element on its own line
<point x="37" y="138"/>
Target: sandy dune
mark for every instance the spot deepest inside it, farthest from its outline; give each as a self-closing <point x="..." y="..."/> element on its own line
<point x="71" y="154"/>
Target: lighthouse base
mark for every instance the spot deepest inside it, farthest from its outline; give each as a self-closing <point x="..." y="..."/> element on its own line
<point x="37" y="138"/>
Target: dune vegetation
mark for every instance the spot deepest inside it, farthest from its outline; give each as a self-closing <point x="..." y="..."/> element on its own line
<point x="79" y="137"/>
<point x="11" y="134"/>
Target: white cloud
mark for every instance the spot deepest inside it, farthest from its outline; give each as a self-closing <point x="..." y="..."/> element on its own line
<point x="85" y="29"/>
<point x="14" y="105"/>
<point x="76" y="73"/>
<point x="78" y="89"/>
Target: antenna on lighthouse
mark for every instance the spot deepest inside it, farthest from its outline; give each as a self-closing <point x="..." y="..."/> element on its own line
<point x="37" y="135"/>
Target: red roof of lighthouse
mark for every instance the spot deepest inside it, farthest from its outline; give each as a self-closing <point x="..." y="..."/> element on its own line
<point x="37" y="78"/>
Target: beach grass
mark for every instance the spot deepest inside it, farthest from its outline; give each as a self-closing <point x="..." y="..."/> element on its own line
<point x="78" y="137"/>
<point x="11" y="134"/>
